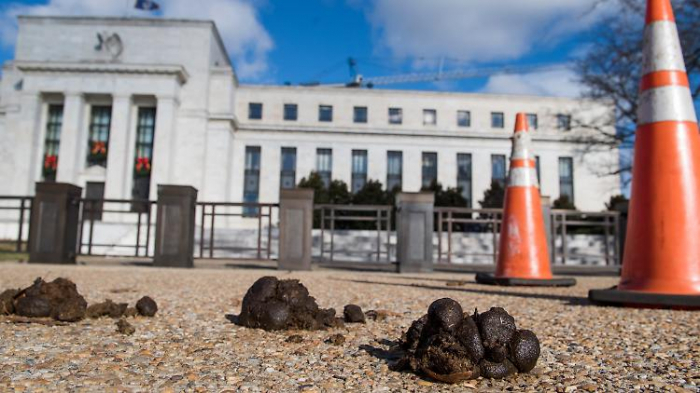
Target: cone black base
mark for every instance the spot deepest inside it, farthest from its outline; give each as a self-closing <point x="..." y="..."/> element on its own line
<point x="616" y="297"/>
<point x="490" y="279"/>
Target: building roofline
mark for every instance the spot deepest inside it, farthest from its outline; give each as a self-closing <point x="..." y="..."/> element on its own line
<point x="352" y="90"/>
<point x="136" y="21"/>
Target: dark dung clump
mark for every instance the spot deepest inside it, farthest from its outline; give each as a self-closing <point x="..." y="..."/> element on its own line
<point x="273" y="304"/>
<point x="450" y="346"/>
<point x="58" y="299"/>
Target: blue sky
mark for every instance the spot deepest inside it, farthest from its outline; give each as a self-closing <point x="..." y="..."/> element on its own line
<point x="278" y="41"/>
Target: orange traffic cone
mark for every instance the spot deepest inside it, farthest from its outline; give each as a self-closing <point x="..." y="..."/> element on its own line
<point x="661" y="266"/>
<point x="523" y="258"/>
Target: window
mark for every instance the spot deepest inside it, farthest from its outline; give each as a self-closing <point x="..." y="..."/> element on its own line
<point x="429" y="175"/>
<point x="359" y="170"/>
<point x="255" y="110"/>
<point x="498" y="169"/>
<point x="251" y="181"/>
<point x="564" y="122"/>
<point x="537" y="169"/>
<point x="429" y="117"/>
<point x="324" y="163"/>
<point x="288" y="168"/>
<point x="394" y="170"/>
<point x="566" y="178"/>
<point x="464" y="119"/>
<point x="395" y="116"/>
<point x="98" y="141"/>
<point x="497" y="120"/>
<point x="143" y="160"/>
<point x="532" y="121"/>
<point x="52" y="142"/>
<point x="360" y="114"/>
<point x="290" y="112"/>
<point x="464" y="176"/>
<point x="325" y="113"/>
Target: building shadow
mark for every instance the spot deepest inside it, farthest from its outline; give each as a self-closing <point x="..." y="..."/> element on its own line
<point x="570" y="300"/>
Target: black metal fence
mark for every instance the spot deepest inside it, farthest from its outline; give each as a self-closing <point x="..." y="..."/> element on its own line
<point x="15" y="211"/>
<point x="345" y="221"/>
<point x="450" y="220"/>
<point x="219" y="238"/>
<point x="604" y="226"/>
<point x="100" y="218"/>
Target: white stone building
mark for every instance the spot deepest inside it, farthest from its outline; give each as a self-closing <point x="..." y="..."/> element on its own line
<point x="116" y="105"/>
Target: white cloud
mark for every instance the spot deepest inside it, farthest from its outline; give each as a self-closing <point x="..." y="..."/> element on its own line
<point x="561" y="83"/>
<point x="246" y="39"/>
<point x="478" y="30"/>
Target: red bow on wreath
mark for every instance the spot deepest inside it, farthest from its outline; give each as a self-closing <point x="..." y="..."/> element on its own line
<point x="143" y="164"/>
<point x="51" y="162"/>
<point x="99" y="148"/>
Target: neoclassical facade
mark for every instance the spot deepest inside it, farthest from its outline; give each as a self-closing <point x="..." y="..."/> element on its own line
<point x="118" y="106"/>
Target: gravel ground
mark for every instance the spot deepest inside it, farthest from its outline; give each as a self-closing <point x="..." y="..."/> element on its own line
<point x="191" y="346"/>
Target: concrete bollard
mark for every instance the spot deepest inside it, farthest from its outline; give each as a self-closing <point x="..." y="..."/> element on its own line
<point x="414" y="223"/>
<point x="175" y="221"/>
<point x="53" y="230"/>
<point x="296" y="223"/>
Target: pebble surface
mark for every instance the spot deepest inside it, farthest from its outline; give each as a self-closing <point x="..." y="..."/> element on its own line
<point x="190" y="345"/>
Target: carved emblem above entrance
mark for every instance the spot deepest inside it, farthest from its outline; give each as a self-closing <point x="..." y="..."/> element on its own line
<point x="110" y="43"/>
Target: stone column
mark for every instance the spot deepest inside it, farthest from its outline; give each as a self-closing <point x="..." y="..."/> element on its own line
<point x="119" y="162"/>
<point x="70" y="154"/>
<point x="548" y="229"/>
<point x="53" y="229"/>
<point x="175" y="221"/>
<point x="296" y="223"/>
<point x="164" y="142"/>
<point x="414" y="224"/>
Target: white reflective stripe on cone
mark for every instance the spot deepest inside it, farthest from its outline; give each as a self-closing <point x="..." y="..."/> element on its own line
<point x="668" y="103"/>
<point x="521" y="144"/>
<point x="522" y="177"/>
<point x="662" y="49"/>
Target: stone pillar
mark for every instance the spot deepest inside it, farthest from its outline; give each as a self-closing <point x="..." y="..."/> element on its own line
<point x="546" y="202"/>
<point x="164" y="148"/>
<point x="296" y="223"/>
<point x="119" y="162"/>
<point x="53" y="229"/>
<point x="73" y="144"/>
<point x="414" y="223"/>
<point x="175" y="221"/>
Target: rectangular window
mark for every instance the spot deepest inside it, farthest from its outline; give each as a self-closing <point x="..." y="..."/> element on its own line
<point x="537" y="168"/>
<point x="429" y="117"/>
<point x="52" y="142"/>
<point x="251" y="181"/>
<point x="290" y="112"/>
<point x="564" y="122"/>
<point x="98" y="141"/>
<point x="359" y="170"/>
<point x="532" y="121"/>
<point x="464" y="176"/>
<point x="464" y="119"/>
<point x="255" y="110"/>
<point x="359" y="114"/>
<point x="497" y="120"/>
<point x="325" y="113"/>
<point x="395" y="116"/>
<point x="566" y="178"/>
<point x="430" y="169"/>
<point x="498" y="169"/>
<point x="288" y="167"/>
<point x="324" y="165"/>
<point x="143" y="160"/>
<point x="394" y="170"/>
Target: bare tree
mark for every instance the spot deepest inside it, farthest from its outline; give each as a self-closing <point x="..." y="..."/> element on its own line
<point x="611" y="69"/>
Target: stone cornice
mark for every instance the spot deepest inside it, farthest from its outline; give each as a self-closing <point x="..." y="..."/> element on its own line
<point x="541" y="137"/>
<point x="106" y="68"/>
